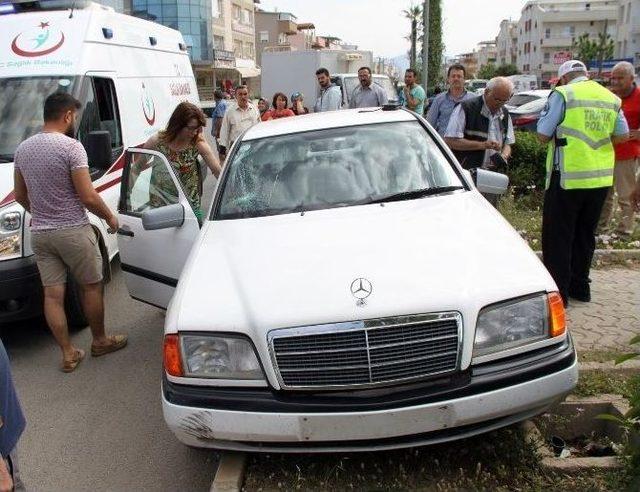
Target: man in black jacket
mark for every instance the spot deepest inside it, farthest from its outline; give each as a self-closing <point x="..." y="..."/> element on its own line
<point x="480" y="128"/>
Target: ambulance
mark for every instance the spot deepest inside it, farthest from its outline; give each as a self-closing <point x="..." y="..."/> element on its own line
<point x="129" y="75"/>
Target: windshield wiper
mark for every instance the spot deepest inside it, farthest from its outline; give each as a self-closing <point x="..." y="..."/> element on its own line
<point x="411" y="195"/>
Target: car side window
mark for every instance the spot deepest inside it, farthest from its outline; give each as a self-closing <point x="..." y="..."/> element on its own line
<point x="148" y="184"/>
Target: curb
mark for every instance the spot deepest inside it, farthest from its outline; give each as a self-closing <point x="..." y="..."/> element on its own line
<point x="622" y="254"/>
<point x="230" y="474"/>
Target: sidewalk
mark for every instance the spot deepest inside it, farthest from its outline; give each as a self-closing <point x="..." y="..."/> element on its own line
<point x="612" y="317"/>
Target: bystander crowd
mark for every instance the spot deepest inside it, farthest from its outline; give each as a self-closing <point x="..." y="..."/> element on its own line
<point x="280" y="108"/>
<point x="330" y="98"/>
<point x="367" y="94"/>
<point x="627" y="153"/>
<point x="413" y="95"/>
<point x="297" y="104"/>
<point x="237" y="119"/>
<point x="444" y="103"/>
<point x="218" y="115"/>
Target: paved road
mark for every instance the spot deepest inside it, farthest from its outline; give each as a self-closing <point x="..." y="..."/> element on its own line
<point x="101" y="428"/>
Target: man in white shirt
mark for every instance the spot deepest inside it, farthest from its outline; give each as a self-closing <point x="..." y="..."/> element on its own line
<point x="237" y="119"/>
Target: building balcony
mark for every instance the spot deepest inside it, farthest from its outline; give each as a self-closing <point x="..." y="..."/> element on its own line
<point x="243" y="28"/>
<point x="568" y="16"/>
<point x="279" y="48"/>
<point x="287" y="27"/>
<point x="558" y="42"/>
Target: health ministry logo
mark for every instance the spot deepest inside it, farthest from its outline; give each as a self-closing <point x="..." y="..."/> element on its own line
<point x="38" y="41"/>
<point x="148" y="106"/>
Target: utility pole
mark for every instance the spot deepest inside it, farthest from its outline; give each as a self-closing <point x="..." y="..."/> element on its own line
<point x="425" y="45"/>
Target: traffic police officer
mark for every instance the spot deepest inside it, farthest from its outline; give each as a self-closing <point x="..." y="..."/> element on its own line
<point x="581" y="123"/>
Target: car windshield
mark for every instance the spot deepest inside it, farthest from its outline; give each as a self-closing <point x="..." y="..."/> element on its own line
<point x="350" y="84"/>
<point x="331" y="168"/>
<point x="520" y="99"/>
<point x="21" y="103"/>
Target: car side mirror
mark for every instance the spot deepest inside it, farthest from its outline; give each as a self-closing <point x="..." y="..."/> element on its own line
<point x="163" y="217"/>
<point x="99" y="149"/>
<point x="490" y="182"/>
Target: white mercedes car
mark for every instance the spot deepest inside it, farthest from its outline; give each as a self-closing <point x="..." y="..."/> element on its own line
<point x="349" y="289"/>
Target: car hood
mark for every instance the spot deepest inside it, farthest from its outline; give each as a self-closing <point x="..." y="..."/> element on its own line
<point x="6" y="183"/>
<point x="449" y="252"/>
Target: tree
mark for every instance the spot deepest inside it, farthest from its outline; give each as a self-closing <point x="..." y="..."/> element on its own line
<point x="587" y="49"/>
<point x="506" y="70"/>
<point x="436" y="46"/>
<point x="487" y="71"/>
<point x="414" y="14"/>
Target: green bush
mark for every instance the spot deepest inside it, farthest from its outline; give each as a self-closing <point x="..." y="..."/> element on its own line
<point x="527" y="164"/>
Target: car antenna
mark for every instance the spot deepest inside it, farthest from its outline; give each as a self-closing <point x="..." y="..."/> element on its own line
<point x="73" y="6"/>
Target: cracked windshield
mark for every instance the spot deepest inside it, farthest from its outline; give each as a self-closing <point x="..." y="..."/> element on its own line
<point x="332" y="168"/>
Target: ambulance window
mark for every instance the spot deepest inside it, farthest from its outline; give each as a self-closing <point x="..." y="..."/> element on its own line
<point x="100" y="113"/>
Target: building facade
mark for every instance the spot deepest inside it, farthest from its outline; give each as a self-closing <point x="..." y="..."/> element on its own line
<point x="628" y="38"/>
<point x="507" y="43"/>
<point x="274" y="32"/>
<point x="487" y="53"/>
<point x="548" y="29"/>
<point x="469" y="61"/>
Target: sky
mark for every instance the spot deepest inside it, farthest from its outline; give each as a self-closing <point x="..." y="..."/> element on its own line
<point x="379" y="25"/>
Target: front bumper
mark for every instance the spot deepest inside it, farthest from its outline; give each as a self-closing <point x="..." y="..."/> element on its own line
<point x="478" y="400"/>
<point x="20" y="290"/>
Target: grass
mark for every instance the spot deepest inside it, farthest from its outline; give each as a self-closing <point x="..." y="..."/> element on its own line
<point x="498" y="461"/>
<point x="597" y="382"/>
<point x="525" y="215"/>
<point x="599" y="355"/>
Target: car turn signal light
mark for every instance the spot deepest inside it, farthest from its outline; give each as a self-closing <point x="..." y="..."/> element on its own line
<point x="557" y="318"/>
<point x="171" y="356"/>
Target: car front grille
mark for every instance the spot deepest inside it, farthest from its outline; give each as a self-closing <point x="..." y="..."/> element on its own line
<point x="366" y="353"/>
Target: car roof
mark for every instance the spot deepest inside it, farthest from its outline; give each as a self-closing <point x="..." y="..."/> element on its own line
<point x="330" y="119"/>
<point x="536" y="92"/>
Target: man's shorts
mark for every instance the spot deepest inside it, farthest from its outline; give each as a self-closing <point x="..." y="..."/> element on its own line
<point x="74" y="249"/>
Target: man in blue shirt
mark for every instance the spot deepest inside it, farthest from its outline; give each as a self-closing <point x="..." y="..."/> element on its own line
<point x="443" y="104"/>
<point x="12" y="424"/>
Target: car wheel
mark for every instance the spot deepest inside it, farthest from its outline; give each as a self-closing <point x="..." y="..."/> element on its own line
<point x="76" y="319"/>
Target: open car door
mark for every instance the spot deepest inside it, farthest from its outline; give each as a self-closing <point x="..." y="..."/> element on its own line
<point x="157" y="227"/>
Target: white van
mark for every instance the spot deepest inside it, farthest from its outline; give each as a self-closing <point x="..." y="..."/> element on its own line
<point x="349" y="81"/>
<point x="129" y="75"/>
<point x="523" y="82"/>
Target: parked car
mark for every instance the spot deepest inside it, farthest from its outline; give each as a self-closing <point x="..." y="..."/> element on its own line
<point x="525" y="97"/>
<point x="350" y="289"/>
<point x="526" y="116"/>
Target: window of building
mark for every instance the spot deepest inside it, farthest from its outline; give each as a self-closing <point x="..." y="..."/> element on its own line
<point x="629" y="13"/>
<point x="547" y="33"/>
<point x="218" y="42"/>
<point x="282" y="38"/>
<point x="237" y="15"/>
<point x="246" y="17"/>
<point x="546" y="58"/>
<point x="587" y="6"/>
<point x="572" y="31"/>
<point x="248" y="50"/>
<point x="220" y="8"/>
<point x="264" y="36"/>
<point x="237" y="48"/>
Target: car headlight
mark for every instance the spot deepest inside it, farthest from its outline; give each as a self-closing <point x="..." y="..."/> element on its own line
<point x="217" y="357"/>
<point x="10" y="235"/>
<point x="519" y="322"/>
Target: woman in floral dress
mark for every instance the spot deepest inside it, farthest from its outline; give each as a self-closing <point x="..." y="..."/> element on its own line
<point x="181" y="143"/>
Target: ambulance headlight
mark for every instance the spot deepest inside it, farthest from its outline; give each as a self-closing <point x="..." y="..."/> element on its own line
<point x="10" y="235"/>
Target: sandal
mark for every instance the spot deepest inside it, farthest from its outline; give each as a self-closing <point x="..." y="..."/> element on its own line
<point x="71" y="364"/>
<point x="116" y="342"/>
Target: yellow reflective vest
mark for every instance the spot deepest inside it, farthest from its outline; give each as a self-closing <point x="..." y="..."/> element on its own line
<point x="582" y="147"/>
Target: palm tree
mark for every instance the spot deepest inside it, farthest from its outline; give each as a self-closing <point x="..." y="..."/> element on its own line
<point x="414" y="14"/>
